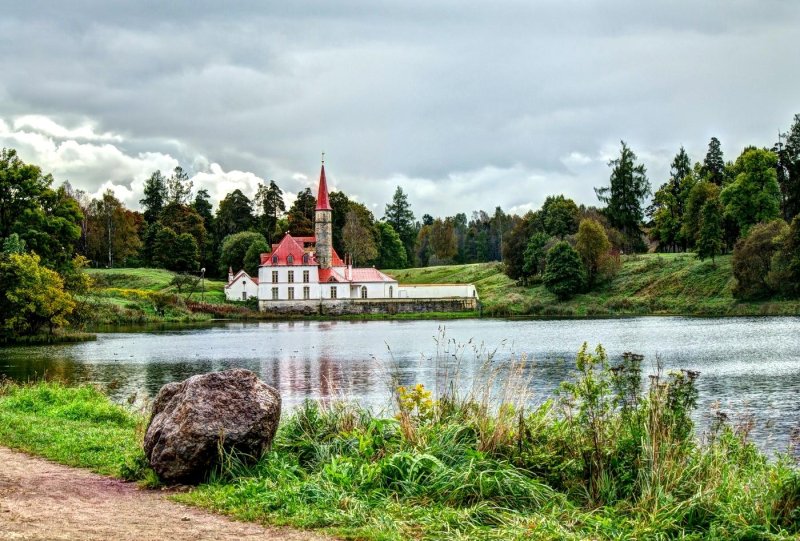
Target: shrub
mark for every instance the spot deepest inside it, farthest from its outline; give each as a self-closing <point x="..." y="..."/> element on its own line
<point x="752" y="257"/>
<point x="593" y="246"/>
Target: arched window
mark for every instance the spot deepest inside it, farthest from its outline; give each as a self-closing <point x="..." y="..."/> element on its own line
<point x="391" y="292"/>
<point x="364" y="292"/>
<point x="290" y="260"/>
<point x="274" y="260"/>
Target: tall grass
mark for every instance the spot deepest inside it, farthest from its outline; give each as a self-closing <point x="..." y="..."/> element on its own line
<point x="607" y="458"/>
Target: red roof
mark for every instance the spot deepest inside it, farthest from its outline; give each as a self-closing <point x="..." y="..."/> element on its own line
<point x="369" y="275"/>
<point x="287" y="248"/>
<point x="322" y="194"/>
<point x="325" y="275"/>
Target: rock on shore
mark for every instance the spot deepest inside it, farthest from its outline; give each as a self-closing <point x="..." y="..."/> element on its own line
<point x="193" y="419"/>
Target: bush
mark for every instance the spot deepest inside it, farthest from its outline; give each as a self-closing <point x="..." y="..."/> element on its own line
<point x="564" y="274"/>
<point x="752" y="258"/>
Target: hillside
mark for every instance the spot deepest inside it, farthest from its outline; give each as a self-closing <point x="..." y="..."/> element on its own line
<point x="134" y="296"/>
<point x="663" y="284"/>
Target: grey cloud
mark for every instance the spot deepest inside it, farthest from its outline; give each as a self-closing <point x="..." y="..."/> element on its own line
<point x="467" y="105"/>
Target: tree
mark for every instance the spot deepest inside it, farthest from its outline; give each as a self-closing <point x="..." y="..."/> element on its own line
<point x="593" y="246"/>
<point x="560" y="216"/>
<point x="13" y="245"/>
<point x="789" y="170"/>
<point x="31" y="296"/>
<point x="234" y="215"/>
<point x="714" y="163"/>
<point x="515" y="244"/>
<point x="669" y="204"/>
<point x="185" y="254"/>
<point x="709" y="243"/>
<point x="21" y="188"/>
<point x="302" y="214"/>
<point x="234" y="249"/>
<point x="252" y="257"/>
<point x="564" y="274"/>
<point x="752" y="258"/>
<point x="358" y="239"/>
<point x="443" y="239"/>
<point x="270" y="206"/>
<point x="398" y="214"/>
<point x="184" y="219"/>
<point x="111" y="232"/>
<point x="784" y="274"/>
<point x="164" y="247"/>
<point x="754" y="196"/>
<point x="624" y="197"/>
<point x="535" y="254"/>
<point x="179" y="187"/>
<point x="202" y="206"/>
<point x="699" y="194"/>
<point x="340" y="206"/>
<point x="391" y="252"/>
<point x="422" y="246"/>
<point x="155" y="197"/>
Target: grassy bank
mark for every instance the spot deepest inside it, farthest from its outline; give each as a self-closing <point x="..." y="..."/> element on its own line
<point x="144" y="296"/>
<point x="658" y="284"/>
<point x="604" y="460"/>
<point x="76" y="426"/>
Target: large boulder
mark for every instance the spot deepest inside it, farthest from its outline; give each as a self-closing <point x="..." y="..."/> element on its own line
<point x="192" y="418"/>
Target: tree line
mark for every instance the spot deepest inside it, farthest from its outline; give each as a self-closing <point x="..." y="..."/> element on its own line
<point x="747" y="206"/>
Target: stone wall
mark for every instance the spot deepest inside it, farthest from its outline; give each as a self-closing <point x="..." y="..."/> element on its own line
<point x="367" y="306"/>
<point x="323" y="230"/>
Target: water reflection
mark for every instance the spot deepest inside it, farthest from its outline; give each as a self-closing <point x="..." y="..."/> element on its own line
<point x="746" y="364"/>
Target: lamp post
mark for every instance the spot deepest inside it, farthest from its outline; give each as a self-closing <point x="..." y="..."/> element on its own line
<point x="203" y="284"/>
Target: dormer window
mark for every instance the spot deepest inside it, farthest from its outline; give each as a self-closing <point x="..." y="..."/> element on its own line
<point x="290" y="260"/>
<point x="274" y="260"/>
<point x="305" y="259"/>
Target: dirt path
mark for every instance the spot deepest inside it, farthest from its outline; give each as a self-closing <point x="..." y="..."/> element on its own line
<point x="45" y="501"/>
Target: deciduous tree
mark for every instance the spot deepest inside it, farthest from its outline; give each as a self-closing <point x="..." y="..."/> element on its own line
<point x="593" y="246"/>
<point x="709" y="243"/>
<point x="754" y="196"/>
<point x="564" y="274"/>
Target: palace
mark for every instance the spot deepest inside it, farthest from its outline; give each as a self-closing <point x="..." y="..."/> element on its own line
<point x="306" y="275"/>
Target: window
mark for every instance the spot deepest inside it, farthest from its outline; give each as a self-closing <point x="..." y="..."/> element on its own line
<point x="291" y="293"/>
<point x="244" y="295"/>
<point x="274" y="277"/>
<point x="305" y="277"/>
<point x="333" y="292"/>
<point x="306" y="292"/>
<point x="274" y="293"/>
<point x="290" y="279"/>
<point x="391" y="292"/>
<point x="305" y="259"/>
<point x="364" y="292"/>
<point x="244" y="282"/>
<point x="274" y="260"/>
<point x="290" y="260"/>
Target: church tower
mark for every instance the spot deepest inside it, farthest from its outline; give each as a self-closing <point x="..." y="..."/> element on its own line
<point x="323" y="224"/>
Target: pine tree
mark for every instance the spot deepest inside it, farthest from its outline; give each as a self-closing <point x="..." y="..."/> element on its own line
<point x="398" y="214"/>
<point x="155" y="197"/>
<point x="714" y="163"/>
<point x="709" y="243"/>
<point x="625" y="196"/>
<point x="179" y="187"/>
<point x="270" y="206"/>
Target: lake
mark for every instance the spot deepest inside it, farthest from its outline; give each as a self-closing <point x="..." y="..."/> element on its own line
<point x="748" y="366"/>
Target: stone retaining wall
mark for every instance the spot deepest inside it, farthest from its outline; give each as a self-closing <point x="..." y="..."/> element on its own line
<point x="368" y="306"/>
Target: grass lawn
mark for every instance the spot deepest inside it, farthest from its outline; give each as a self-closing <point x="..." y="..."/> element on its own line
<point x="659" y="284"/>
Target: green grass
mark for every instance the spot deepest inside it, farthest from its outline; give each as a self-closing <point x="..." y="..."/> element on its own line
<point x="126" y="297"/>
<point x="76" y="426"/>
<point x="657" y="284"/>
<point x="457" y="467"/>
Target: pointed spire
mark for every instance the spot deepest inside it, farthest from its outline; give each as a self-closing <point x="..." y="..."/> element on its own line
<point x="322" y="194"/>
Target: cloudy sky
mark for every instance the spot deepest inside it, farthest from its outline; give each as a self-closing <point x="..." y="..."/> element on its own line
<point x="466" y="105"/>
